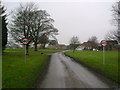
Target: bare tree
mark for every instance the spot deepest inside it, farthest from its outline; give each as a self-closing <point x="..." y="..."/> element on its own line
<point x="93" y="42"/>
<point x="32" y="23"/>
<point x="53" y="42"/>
<point x="93" y="39"/>
<point x="21" y="23"/>
<point x="115" y="34"/>
<point x="3" y="27"/>
<point x="112" y="35"/>
<point x="41" y="26"/>
<point x="74" y="43"/>
<point x="44" y="39"/>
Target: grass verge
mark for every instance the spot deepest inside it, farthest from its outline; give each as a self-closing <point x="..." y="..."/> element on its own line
<point x="17" y="74"/>
<point x="32" y="50"/>
<point x="94" y="61"/>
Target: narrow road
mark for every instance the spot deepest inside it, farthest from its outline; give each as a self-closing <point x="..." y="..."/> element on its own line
<point x="63" y="72"/>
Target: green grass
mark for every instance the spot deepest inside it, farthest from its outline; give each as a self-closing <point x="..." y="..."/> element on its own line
<point x="0" y="71"/>
<point x="14" y="50"/>
<point x="46" y="51"/>
<point x="93" y="60"/>
<point x="32" y="50"/>
<point x="17" y="74"/>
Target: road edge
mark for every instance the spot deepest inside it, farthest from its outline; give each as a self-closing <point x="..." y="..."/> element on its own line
<point x="42" y="76"/>
<point x="104" y="79"/>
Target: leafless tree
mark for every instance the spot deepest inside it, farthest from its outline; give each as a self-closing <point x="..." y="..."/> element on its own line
<point x="3" y="28"/>
<point x="41" y="26"/>
<point x="21" y="22"/>
<point x="32" y="23"/>
<point x="93" y="42"/>
<point x="111" y="35"/>
<point x="93" y="39"/>
<point x="115" y="34"/>
<point x="74" y="43"/>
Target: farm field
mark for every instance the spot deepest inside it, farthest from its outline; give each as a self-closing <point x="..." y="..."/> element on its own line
<point x="17" y="74"/>
<point x="94" y="61"/>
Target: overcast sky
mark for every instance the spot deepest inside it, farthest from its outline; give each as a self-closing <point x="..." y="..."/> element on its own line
<point x="82" y="19"/>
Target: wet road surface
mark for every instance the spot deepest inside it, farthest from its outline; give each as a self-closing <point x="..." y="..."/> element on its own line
<point x="63" y="72"/>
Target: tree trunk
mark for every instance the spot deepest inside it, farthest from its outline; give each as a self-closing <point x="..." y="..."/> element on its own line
<point x="73" y="50"/>
<point x="43" y="46"/>
<point x="35" y="46"/>
<point x="27" y="49"/>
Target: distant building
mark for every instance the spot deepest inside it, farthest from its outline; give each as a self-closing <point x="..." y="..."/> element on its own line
<point x="38" y="46"/>
<point x="89" y="45"/>
<point x="14" y="45"/>
<point x="52" y="47"/>
<point x="62" y="46"/>
<point x="112" y="45"/>
<point x="58" y="46"/>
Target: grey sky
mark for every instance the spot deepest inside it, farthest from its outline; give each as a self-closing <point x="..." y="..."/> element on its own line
<point x="82" y="19"/>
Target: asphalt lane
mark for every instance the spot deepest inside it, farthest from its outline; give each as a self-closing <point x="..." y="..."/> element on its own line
<point x="64" y="72"/>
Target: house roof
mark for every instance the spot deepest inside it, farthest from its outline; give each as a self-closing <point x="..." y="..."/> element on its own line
<point x="89" y="43"/>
